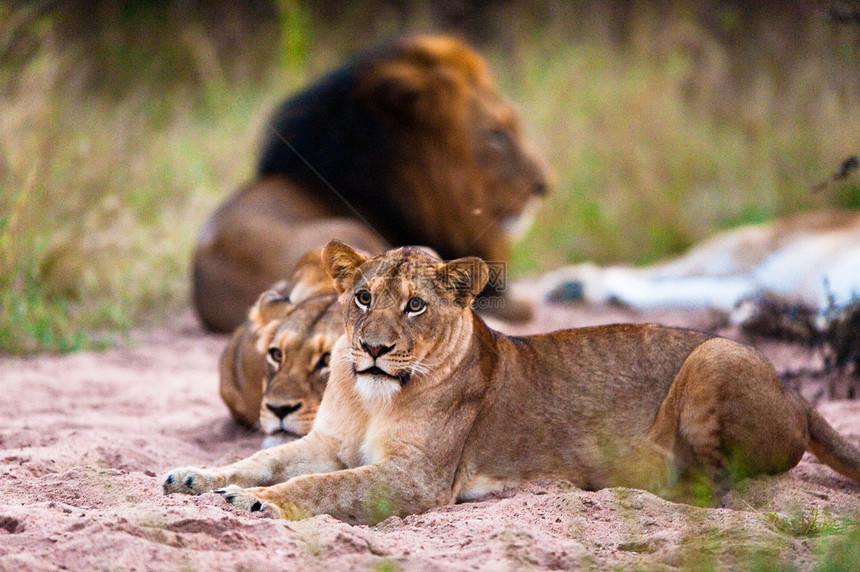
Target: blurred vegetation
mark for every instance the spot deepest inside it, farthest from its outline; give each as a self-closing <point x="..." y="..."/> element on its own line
<point x="124" y="124"/>
<point x="839" y="552"/>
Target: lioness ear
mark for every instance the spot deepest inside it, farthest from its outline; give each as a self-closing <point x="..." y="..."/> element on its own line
<point x="309" y="278"/>
<point x="272" y="304"/>
<point x="341" y="262"/>
<point x="466" y="277"/>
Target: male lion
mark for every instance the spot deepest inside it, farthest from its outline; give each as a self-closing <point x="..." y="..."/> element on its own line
<point x="408" y="144"/>
<point x="426" y="405"/>
<point x="243" y="366"/>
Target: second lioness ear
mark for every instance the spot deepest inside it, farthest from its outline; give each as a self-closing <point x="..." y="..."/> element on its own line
<point x="464" y="276"/>
<point x="341" y="262"/>
<point x="272" y="304"/>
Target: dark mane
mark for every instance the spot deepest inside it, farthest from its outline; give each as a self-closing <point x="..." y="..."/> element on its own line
<point x="332" y="144"/>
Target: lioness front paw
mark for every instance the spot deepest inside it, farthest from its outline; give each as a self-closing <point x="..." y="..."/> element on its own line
<point x="246" y="499"/>
<point x="191" y="481"/>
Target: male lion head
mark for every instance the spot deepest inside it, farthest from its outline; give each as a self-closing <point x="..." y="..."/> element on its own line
<point x="466" y="173"/>
<point x="297" y="368"/>
<point x="415" y="137"/>
<point x="410" y="143"/>
<point x="407" y="314"/>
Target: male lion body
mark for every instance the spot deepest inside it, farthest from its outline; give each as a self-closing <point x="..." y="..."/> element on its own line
<point x="427" y="405"/>
<point x="409" y="144"/>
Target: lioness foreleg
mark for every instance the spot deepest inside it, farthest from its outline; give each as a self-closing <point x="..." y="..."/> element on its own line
<point x="365" y="494"/>
<point x="310" y="454"/>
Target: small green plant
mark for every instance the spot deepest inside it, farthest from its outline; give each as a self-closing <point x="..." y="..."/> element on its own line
<point x="803" y="524"/>
<point x="386" y="566"/>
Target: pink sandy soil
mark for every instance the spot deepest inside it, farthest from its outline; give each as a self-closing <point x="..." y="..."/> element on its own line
<point x="86" y="438"/>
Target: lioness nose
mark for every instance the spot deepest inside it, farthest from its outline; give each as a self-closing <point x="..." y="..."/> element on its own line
<point x="376" y="351"/>
<point x="282" y="411"/>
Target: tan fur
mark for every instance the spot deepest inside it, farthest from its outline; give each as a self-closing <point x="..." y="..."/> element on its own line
<point x="242" y="367"/>
<point x="454" y="171"/>
<point x="298" y="364"/>
<point x="425" y="408"/>
<point x="254" y="240"/>
<point x="810" y="258"/>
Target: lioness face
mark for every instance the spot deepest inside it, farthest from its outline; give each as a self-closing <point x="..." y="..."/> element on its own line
<point x="403" y="312"/>
<point x="297" y="368"/>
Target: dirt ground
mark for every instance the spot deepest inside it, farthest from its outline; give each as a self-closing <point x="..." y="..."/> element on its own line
<point x="86" y="438"/>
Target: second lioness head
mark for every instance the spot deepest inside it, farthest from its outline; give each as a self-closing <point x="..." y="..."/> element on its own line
<point x="297" y="367"/>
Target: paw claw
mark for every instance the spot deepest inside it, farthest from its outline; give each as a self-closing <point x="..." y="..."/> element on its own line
<point x="247" y="500"/>
<point x="190" y="481"/>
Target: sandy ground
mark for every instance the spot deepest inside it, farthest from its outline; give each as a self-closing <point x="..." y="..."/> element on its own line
<point x="85" y="439"/>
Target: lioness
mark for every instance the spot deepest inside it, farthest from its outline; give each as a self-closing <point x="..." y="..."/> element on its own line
<point x="411" y="143"/>
<point x="426" y="405"/>
<point x="242" y="366"/>
<point x="811" y="258"/>
<point x="298" y="363"/>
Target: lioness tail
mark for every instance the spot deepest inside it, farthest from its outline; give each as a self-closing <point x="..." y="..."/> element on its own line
<point x="830" y="447"/>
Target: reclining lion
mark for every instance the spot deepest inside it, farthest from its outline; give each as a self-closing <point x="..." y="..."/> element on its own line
<point x="426" y="405"/>
<point x="298" y="363"/>
<point x="243" y="369"/>
<point x="409" y="144"/>
<point x="811" y="258"/>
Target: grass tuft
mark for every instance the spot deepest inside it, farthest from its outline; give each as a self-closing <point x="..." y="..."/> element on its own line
<point x="803" y="524"/>
<point x="841" y="551"/>
<point x="662" y="126"/>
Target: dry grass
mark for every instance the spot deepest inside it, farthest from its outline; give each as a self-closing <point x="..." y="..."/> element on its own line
<point x="100" y="198"/>
<point x="656" y="139"/>
<point x="665" y="138"/>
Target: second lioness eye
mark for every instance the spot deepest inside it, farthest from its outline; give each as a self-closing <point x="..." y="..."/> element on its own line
<point x="415" y="305"/>
<point x="363" y="298"/>
<point x="323" y="362"/>
<point x="276" y="354"/>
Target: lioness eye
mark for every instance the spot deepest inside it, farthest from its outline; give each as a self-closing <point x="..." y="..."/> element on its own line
<point x="415" y="305"/>
<point x="276" y="354"/>
<point x="362" y="299"/>
<point x="323" y="362"/>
